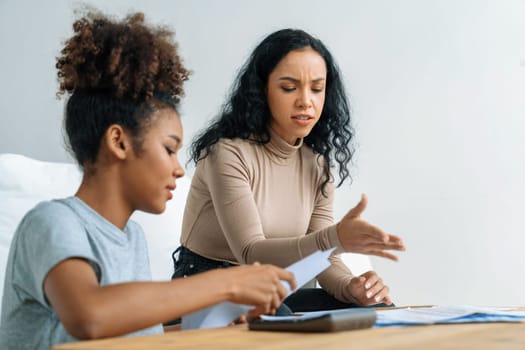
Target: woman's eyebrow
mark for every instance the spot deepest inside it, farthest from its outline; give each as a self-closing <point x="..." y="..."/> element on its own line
<point x="295" y="80"/>
<point x="175" y="137"/>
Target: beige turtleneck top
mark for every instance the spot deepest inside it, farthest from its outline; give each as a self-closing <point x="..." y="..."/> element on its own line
<point x="250" y="202"/>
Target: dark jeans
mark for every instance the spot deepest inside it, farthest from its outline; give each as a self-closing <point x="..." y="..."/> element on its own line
<point x="305" y="299"/>
<point x="189" y="263"/>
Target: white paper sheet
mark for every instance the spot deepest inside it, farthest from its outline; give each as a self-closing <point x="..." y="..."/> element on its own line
<point x="307" y="268"/>
<point x="219" y="315"/>
<point x="222" y="314"/>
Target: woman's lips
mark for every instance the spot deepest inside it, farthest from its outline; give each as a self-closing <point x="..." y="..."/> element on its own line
<point x="302" y="120"/>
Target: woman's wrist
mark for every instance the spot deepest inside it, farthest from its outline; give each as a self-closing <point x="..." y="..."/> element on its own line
<point x="335" y="238"/>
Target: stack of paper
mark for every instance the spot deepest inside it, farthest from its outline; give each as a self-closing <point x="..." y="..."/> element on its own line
<point x="446" y="314"/>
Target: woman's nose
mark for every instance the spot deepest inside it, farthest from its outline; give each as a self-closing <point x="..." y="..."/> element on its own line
<point x="178" y="170"/>
<point x="304" y="100"/>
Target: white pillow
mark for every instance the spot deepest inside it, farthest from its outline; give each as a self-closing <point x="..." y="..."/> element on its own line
<point x="24" y="182"/>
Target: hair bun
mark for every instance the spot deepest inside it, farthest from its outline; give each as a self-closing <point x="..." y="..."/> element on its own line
<point x="128" y="58"/>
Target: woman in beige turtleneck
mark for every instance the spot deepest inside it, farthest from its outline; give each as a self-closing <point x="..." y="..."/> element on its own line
<point x="263" y="188"/>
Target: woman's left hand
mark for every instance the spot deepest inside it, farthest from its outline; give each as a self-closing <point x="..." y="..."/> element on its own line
<point x="368" y="289"/>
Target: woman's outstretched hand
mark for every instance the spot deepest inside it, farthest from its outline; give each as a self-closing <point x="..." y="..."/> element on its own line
<point x="358" y="236"/>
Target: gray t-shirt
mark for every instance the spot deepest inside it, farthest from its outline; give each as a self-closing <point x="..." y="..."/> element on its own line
<point x="50" y="233"/>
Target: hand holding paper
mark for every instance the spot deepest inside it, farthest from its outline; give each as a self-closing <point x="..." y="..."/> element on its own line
<point x="222" y="314"/>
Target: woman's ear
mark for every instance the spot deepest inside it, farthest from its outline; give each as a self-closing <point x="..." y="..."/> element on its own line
<point x="117" y="141"/>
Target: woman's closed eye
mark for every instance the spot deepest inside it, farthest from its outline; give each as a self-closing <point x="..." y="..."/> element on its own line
<point x="317" y="88"/>
<point x="169" y="150"/>
<point x="288" y="88"/>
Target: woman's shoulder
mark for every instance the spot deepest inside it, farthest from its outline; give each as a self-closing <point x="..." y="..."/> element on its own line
<point x="52" y="213"/>
<point x="50" y="210"/>
<point x="50" y="216"/>
<point x="237" y="143"/>
<point x="229" y="155"/>
<point x="236" y="147"/>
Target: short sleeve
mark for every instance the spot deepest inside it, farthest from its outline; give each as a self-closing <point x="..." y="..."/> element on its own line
<point x="48" y="234"/>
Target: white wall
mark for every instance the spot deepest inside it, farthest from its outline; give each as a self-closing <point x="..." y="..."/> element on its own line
<point x="438" y="95"/>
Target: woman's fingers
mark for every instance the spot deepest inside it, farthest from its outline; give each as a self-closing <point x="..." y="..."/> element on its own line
<point x="373" y="244"/>
<point x="359" y="236"/>
<point x="376" y="235"/>
<point x="356" y="211"/>
<point x="282" y="292"/>
<point x="379" y="249"/>
<point x="288" y="277"/>
<point x="395" y="239"/>
<point x="267" y="288"/>
<point x="375" y="286"/>
<point x="276" y="301"/>
<point x="371" y="279"/>
<point x="374" y="232"/>
<point x="382" y="254"/>
<point x="371" y="291"/>
<point x="381" y="294"/>
<point x="376" y="290"/>
<point x="375" y="239"/>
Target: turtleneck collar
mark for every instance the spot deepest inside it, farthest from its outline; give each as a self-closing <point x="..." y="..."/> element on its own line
<point x="280" y="149"/>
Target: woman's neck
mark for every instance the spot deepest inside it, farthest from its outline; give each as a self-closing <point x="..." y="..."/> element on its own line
<point x="102" y="192"/>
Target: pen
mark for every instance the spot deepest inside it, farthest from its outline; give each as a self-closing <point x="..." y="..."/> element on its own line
<point x="385" y="308"/>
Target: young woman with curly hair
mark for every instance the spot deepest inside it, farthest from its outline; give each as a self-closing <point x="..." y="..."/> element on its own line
<point x="78" y="267"/>
<point x="263" y="186"/>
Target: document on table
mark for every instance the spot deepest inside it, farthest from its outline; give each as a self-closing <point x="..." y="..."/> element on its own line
<point x="446" y="314"/>
<point x="222" y="314"/>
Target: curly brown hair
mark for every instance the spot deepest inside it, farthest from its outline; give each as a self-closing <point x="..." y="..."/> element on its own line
<point x="128" y="59"/>
<point x="116" y="72"/>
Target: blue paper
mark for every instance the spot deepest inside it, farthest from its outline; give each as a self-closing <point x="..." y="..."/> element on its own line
<point x="445" y="314"/>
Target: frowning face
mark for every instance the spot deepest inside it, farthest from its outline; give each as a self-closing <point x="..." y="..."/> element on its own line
<point x="296" y="94"/>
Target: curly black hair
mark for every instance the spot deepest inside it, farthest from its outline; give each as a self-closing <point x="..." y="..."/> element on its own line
<point x="246" y="114"/>
<point x="116" y="72"/>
